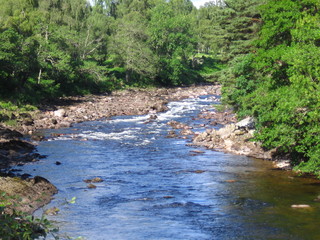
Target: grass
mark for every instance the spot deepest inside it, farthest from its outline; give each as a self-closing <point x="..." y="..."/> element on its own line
<point x="208" y="66"/>
<point x="11" y="113"/>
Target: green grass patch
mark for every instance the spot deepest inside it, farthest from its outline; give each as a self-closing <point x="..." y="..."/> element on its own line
<point x="208" y="66"/>
<point x="11" y="113"/>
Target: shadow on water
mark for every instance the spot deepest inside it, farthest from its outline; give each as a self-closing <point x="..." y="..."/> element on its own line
<point x="154" y="188"/>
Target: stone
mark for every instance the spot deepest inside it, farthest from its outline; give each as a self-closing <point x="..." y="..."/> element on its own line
<point x="185" y="132"/>
<point x="198" y="171"/>
<point x="91" y="186"/>
<point x="64" y="124"/>
<point x="300" y="206"/>
<point x="230" y="181"/>
<point x="52" y="211"/>
<point x="33" y="193"/>
<point x="37" y="138"/>
<point x="247" y="123"/>
<point x="283" y="164"/>
<point x="197" y="151"/>
<point x="93" y="180"/>
<point x="168" y="197"/>
<point x="59" y="113"/>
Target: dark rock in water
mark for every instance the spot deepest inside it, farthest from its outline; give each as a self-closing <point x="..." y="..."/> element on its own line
<point x="38" y="179"/>
<point x="37" y="138"/>
<point x="153" y="116"/>
<point x="52" y="211"/>
<point x="17" y="145"/>
<point x="185" y="132"/>
<point x="91" y="186"/>
<point x="178" y="125"/>
<point x="58" y="163"/>
<point x="230" y="181"/>
<point x="171" y="134"/>
<point x="198" y="171"/>
<point x="93" y="180"/>
<point x="25" y="176"/>
<point x="168" y="197"/>
<point x="197" y="151"/>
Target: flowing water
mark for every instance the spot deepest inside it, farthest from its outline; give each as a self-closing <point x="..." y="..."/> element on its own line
<point x="157" y="188"/>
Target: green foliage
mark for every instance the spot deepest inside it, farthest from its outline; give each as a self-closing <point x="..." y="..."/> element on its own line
<point x="228" y="28"/>
<point x="11" y="113"/>
<point x="22" y="226"/>
<point x="172" y="40"/>
<point x="55" y="48"/>
<point x="207" y="66"/>
<point x="279" y="84"/>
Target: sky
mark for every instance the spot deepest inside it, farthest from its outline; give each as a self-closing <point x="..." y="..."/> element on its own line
<point x="196" y="3"/>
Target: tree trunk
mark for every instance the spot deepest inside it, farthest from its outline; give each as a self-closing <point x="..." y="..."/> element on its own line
<point x="128" y="76"/>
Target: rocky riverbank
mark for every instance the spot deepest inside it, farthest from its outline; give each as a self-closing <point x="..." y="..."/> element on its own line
<point x="223" y="132"/>
<point x="233" y="138"/>
<point x="237" y="138"/>
<point x="64" y="112"/>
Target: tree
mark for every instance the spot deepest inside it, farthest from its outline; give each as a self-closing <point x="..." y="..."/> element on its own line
<point x="284" y="77"/>
<point x="131" y="48"/>
<point x="172" y="40"/>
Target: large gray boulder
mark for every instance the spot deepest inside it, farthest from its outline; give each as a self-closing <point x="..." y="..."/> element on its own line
<point x="246" y="123"/>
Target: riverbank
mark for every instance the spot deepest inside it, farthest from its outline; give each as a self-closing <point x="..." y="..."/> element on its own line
<point x="223" y="133"/>
<point x="64" y="112"/>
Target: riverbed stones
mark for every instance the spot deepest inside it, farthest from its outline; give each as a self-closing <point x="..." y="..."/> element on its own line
<point x="59" y="113"/>
<point x="234" y="140"/>
<point x="6" y="133"/>
<point x="66" y="111"/>
<point x="186" y="132"/>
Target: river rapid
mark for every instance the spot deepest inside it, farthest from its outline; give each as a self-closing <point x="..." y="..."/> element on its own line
<point x="157" y="187"/>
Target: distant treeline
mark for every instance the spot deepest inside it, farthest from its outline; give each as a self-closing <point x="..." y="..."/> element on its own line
<point x="56" y="47"/>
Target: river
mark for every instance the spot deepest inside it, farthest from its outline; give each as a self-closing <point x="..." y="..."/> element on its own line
<point x="157" y="187"/>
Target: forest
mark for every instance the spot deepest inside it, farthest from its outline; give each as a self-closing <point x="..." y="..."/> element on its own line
<point x="263" y="52"/>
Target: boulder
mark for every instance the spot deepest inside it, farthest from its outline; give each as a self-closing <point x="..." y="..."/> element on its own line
<point x="59" y="113"/>
<point x="27" y="195"/>
<point x="234" y="140"/>
<point x="247" y="123"/>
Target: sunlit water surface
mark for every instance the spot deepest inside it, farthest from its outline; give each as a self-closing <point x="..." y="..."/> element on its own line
<point x="157" y="188"/>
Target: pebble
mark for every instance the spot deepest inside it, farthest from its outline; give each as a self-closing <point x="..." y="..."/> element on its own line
<point x="300" y="206"/>
<point x="93" y="180"/>
<point x="92" y="186"/>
